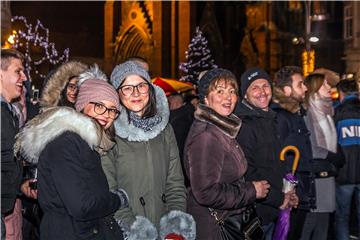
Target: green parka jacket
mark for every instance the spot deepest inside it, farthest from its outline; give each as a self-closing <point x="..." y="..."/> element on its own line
<point x="147" y="166"/>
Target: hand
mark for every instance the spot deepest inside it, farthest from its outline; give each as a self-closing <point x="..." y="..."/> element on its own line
<point x="261" y="188"/>
<point x="287" y="197"/>
<point x="25" y="188"/>
<point x="294" y="200"/>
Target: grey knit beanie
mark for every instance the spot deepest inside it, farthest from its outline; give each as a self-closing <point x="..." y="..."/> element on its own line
<point x="125" y="69"/>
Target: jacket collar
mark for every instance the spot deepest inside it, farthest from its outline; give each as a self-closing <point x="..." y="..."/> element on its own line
<point x="50" y="124"/>
<point x="245" y="109"/>
<point x="127" y="130"/>
<point x="228" y="125"/>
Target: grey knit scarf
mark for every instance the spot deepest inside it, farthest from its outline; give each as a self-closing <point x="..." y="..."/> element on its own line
<point x="321" y="125"/>
<point x="146" y="124"/>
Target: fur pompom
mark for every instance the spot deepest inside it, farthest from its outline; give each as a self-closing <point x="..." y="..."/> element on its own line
<point x="179" y="223"/>
<point x="142" y="229"/>
<point x="93" y="72"/>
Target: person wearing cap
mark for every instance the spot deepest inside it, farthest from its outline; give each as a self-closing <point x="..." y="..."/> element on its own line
<point x="289" y="94"/>
<point x="66" y="144"/>
<point x="261" y="146"/>
<point x="214" y="161"/>
<point x="145" y="160"/>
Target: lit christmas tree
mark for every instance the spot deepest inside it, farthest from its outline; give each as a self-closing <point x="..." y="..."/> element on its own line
<point x="198" y="58"/>
<point x="34" y="44"/>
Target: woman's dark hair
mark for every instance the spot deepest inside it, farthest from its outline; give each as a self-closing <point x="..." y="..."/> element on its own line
<point x="63" y="98"/>
<point x="150" y="109"/>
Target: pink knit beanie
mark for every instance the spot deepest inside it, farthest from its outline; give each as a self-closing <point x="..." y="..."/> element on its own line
<point x="96" y="90"/>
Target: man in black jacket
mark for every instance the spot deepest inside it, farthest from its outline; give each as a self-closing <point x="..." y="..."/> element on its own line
<point x="289" y="94"/>
<point x="261" y="145"/>
<point x="11" y="83"/>
<point x="181" y="118"/>
<point x="347" y="121"/>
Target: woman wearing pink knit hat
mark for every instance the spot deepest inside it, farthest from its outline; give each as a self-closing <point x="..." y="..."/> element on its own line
<point x="67" y="144"/>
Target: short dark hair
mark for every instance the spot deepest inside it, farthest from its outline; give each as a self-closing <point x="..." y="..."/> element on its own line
<point x="283" y="77"/>
<point x="7" y="54"/>
<point x="347" y="86"/>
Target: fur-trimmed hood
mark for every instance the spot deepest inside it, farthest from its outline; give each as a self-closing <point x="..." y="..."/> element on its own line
<point x="288" y="103"/>
<point x="57" y="81"/>
<point x="45" y="127"/>
<point x="127" y="130"/>
<point x="228" y="125"/>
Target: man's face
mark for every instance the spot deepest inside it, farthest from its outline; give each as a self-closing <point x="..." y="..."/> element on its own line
<point x="298" y="88"/>
<point x="11" y="80"/>
<point x="259" y="94"/>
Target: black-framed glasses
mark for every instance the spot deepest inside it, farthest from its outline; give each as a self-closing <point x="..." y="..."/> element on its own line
<point x="72" y="87"/>
<point x="100" y="109"/>
<point x="142" y="88"/>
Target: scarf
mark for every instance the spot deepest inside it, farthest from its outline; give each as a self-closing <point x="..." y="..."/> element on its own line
<point x="106" y="143"/>
<point x="229" y="125"/>
<point x="321" y="124"/>
<point x="146" y="124"/>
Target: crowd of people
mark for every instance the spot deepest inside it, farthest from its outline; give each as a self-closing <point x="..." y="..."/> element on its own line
<point x="116" y="158"/>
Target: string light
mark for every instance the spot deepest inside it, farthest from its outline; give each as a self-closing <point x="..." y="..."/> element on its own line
<point x="36" y="37"/>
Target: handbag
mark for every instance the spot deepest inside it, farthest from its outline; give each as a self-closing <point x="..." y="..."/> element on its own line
<point x="243" y="226"/>
<point x="110" y="229"/>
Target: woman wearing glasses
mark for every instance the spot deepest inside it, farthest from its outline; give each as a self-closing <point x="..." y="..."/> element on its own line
<point x="67" y="144"/>
<point x="145" y="161"/>
<point x="61" y="85"/>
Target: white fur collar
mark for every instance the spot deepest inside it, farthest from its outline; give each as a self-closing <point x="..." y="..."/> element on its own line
<point x="134" y="134"/>
<point x="50" y="124"/>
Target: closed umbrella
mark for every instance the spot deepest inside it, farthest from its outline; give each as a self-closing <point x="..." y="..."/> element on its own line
<point x="289" y="183"/>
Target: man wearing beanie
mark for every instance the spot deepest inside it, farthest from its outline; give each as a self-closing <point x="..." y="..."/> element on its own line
<point x="261" y="145"/>
<point x="289" y="93"/>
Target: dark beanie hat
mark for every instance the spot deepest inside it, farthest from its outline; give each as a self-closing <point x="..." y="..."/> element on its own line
<point x="250" y="76"/>
<point x="208" y="77"/>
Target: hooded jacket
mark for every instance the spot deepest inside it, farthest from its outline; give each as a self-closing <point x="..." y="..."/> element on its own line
<point x="147" y="166"/>
<point x="261" y="146"/>
<point x="72" y="188"/>
<point x="215" y="165"/>
<point x="292" y="130"/>
<point x="57" y="81"/>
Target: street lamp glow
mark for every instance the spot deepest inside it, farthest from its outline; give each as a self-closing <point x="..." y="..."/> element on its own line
<point x="314" y="39"/>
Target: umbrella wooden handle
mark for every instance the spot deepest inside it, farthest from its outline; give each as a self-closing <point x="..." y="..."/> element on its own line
<point x="297" y="156"/>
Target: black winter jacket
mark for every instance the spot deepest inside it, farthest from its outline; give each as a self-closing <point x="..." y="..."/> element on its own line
<point x="292" y="130"/>
<point x="11" y="170"/>
<point x="261" y="146"/>
<point x="73" y="190"/>
<point x="347" y="121"/>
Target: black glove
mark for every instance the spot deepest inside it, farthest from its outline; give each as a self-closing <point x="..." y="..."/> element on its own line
<point x="123" y="196"/>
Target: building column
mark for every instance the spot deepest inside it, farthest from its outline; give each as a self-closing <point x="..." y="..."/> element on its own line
<point x="108" y="35"/>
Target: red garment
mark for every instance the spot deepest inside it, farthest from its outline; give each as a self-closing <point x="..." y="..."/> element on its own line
<point x="13" y="223"/>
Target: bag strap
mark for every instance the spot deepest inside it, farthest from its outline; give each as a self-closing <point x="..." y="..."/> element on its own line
<point x="219" y="221"/>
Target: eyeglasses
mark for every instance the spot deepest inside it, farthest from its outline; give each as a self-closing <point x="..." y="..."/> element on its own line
<point x="72" y="87"/>
<point x="142" y="88"/>
<point x="100" y="109"/>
